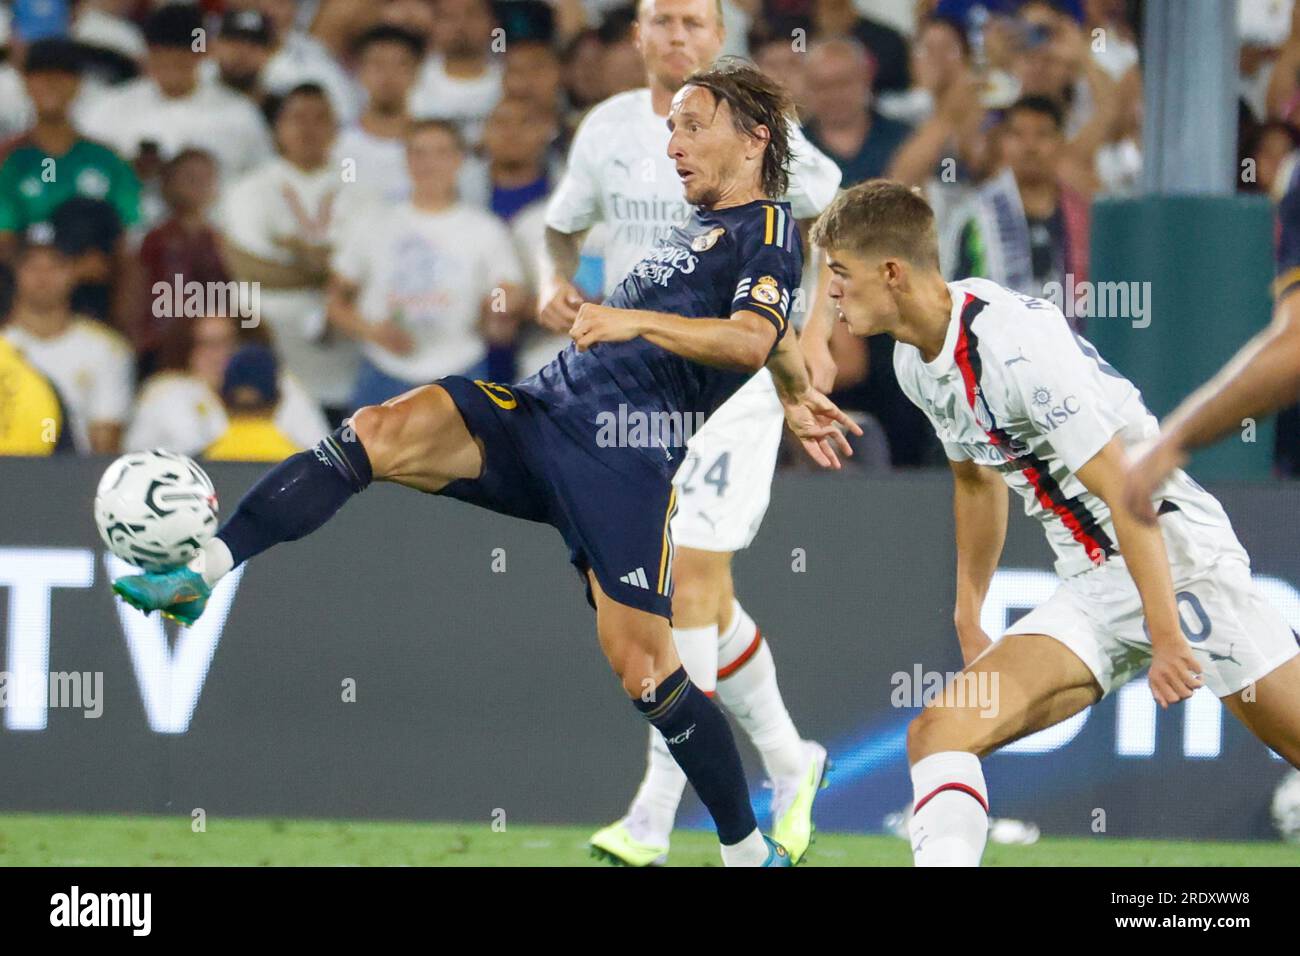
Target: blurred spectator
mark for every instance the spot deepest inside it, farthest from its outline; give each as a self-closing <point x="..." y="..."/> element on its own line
<point x="774" y="53"/>
<point x="106" y="24"/>
<point x="250" y="395"/>
<point x="30" y="191"/>
<point x="241" y="51"/>
<point x="621" y="66"/>
<point x="1027" y="228"/>
<point x="581" y="63"/>
<point x="461" y="78"/>
<point x="532" y="73"/>
<point x="182" y="248"/>
<point x="516" y="143"/>
<point x="886" y="47"/>
<point x="180" y="408"/>
<point x="170" y="108"/>
<point x="1272" y="149"/>
<point x="843" y="123"/>
<point x="279" y="225"/>
<point x="299" y="58"/>
<point x="387" y="61"/>
<point x="33" y="421"/>
<point x="89" y="364"/>
<point x="431" y="284"/>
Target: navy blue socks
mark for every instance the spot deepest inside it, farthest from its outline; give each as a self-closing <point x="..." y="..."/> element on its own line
<point x="700" y="740"/>
<point x="298" y="495"/>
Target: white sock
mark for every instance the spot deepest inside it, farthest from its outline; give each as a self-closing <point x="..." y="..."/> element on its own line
<point x="950" y="817"/>
<point x="751" y="851"/>
<point x="747" y="688"/>
<point x="213" y="561"/>
<point x="654" y="808"/>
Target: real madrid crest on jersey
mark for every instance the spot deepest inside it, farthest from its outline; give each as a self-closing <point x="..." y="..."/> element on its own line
<point x="767" y="291"/>
<point x="707" y="241"/>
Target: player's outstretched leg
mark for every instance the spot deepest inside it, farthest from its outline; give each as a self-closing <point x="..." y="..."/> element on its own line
<point x="639" y="646"/>
<point x="1270" y="709"/>
<point x="417" y="439"/>
<point x="1022" y="684"/>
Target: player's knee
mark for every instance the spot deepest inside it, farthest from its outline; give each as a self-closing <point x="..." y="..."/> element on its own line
<point x="940" y="729"/>
<point x="379" y="429"/>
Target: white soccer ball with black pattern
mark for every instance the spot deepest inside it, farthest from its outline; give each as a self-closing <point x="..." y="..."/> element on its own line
<point x="155" y="509"/>
<point x="1286" y="807"/>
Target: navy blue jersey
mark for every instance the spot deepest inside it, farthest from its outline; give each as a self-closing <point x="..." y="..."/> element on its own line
<point x="718" y="263"/>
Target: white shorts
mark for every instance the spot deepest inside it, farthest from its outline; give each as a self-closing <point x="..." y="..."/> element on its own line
<point x="1236" y="635"/>
<point x="725" y="483"/>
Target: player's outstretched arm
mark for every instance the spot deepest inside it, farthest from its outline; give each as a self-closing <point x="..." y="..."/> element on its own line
<point x="1175" y="672"/>
<point x="979" y="506"/>
<point x="811" y="416"/>
<point x="1263" y="377"/>
<point x="740" y="343"/>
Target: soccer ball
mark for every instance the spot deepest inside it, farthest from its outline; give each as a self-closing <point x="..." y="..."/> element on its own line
<point x="155" y="509"/>
<point x="1286" y="807"/>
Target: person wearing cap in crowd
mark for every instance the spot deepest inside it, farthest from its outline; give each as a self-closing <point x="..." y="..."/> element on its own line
<point x="171" y="107"/>
<point x="89" y="363"/>
<point x="250" y="393"/>
<point x="240" y="53"/>
<point x="298" y="58"/>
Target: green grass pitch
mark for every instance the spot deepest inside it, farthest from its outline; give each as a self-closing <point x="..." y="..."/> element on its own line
<point x="53" y="840"/>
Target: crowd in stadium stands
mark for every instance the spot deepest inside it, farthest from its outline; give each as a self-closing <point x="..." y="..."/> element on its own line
<point x="226" y="224"/>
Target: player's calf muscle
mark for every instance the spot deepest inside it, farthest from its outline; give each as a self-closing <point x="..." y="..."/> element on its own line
<point x="418" y="440"/>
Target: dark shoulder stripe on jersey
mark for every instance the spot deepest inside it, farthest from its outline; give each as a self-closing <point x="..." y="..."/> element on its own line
<point x="1074" y="514"/>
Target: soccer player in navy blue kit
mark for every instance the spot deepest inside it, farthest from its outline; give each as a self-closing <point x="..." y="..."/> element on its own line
<point x="687" y="327"/>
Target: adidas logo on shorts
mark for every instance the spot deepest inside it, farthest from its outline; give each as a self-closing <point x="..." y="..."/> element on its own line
<point x="636" y="579"/>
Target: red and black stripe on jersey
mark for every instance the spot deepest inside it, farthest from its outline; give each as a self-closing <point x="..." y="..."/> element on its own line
<point x="1074" y="514"/>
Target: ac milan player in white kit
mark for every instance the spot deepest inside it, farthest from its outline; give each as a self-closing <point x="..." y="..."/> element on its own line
<point x="1016" y="397"/>
<point x="619" y="175"/>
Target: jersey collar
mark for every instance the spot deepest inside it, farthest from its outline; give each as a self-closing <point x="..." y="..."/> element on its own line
<point x="943" y="362"/>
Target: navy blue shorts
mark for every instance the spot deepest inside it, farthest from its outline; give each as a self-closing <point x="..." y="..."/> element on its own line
<point x="612" y="505"/>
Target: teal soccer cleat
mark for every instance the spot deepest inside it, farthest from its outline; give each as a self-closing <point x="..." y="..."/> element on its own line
<point x="777" y="855"/>
<point x="180" y="594"/>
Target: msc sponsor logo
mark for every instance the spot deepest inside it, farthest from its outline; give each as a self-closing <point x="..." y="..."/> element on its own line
<point x="1052" y="416"/>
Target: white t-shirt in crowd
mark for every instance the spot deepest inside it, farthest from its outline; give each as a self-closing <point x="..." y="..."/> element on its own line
<point x="91" y="366"/>
<point x="465" y="102"/>
<point x="270" y="207"/>
<point x="380" y="165"/>
<point x="537" y="345"/>
<point x="212" y="117"/>
<point x="619" y="173"/>
<point x="430" y="271"/>
<point x="180" y="413"/>
<point x="303" y="59"/>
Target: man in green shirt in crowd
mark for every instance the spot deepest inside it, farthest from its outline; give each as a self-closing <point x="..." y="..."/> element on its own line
<point x="52" y="163"/>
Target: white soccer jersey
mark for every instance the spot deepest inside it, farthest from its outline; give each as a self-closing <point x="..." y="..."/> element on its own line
<point x="1014" y="388"/>
<point x="619" y="173"/>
